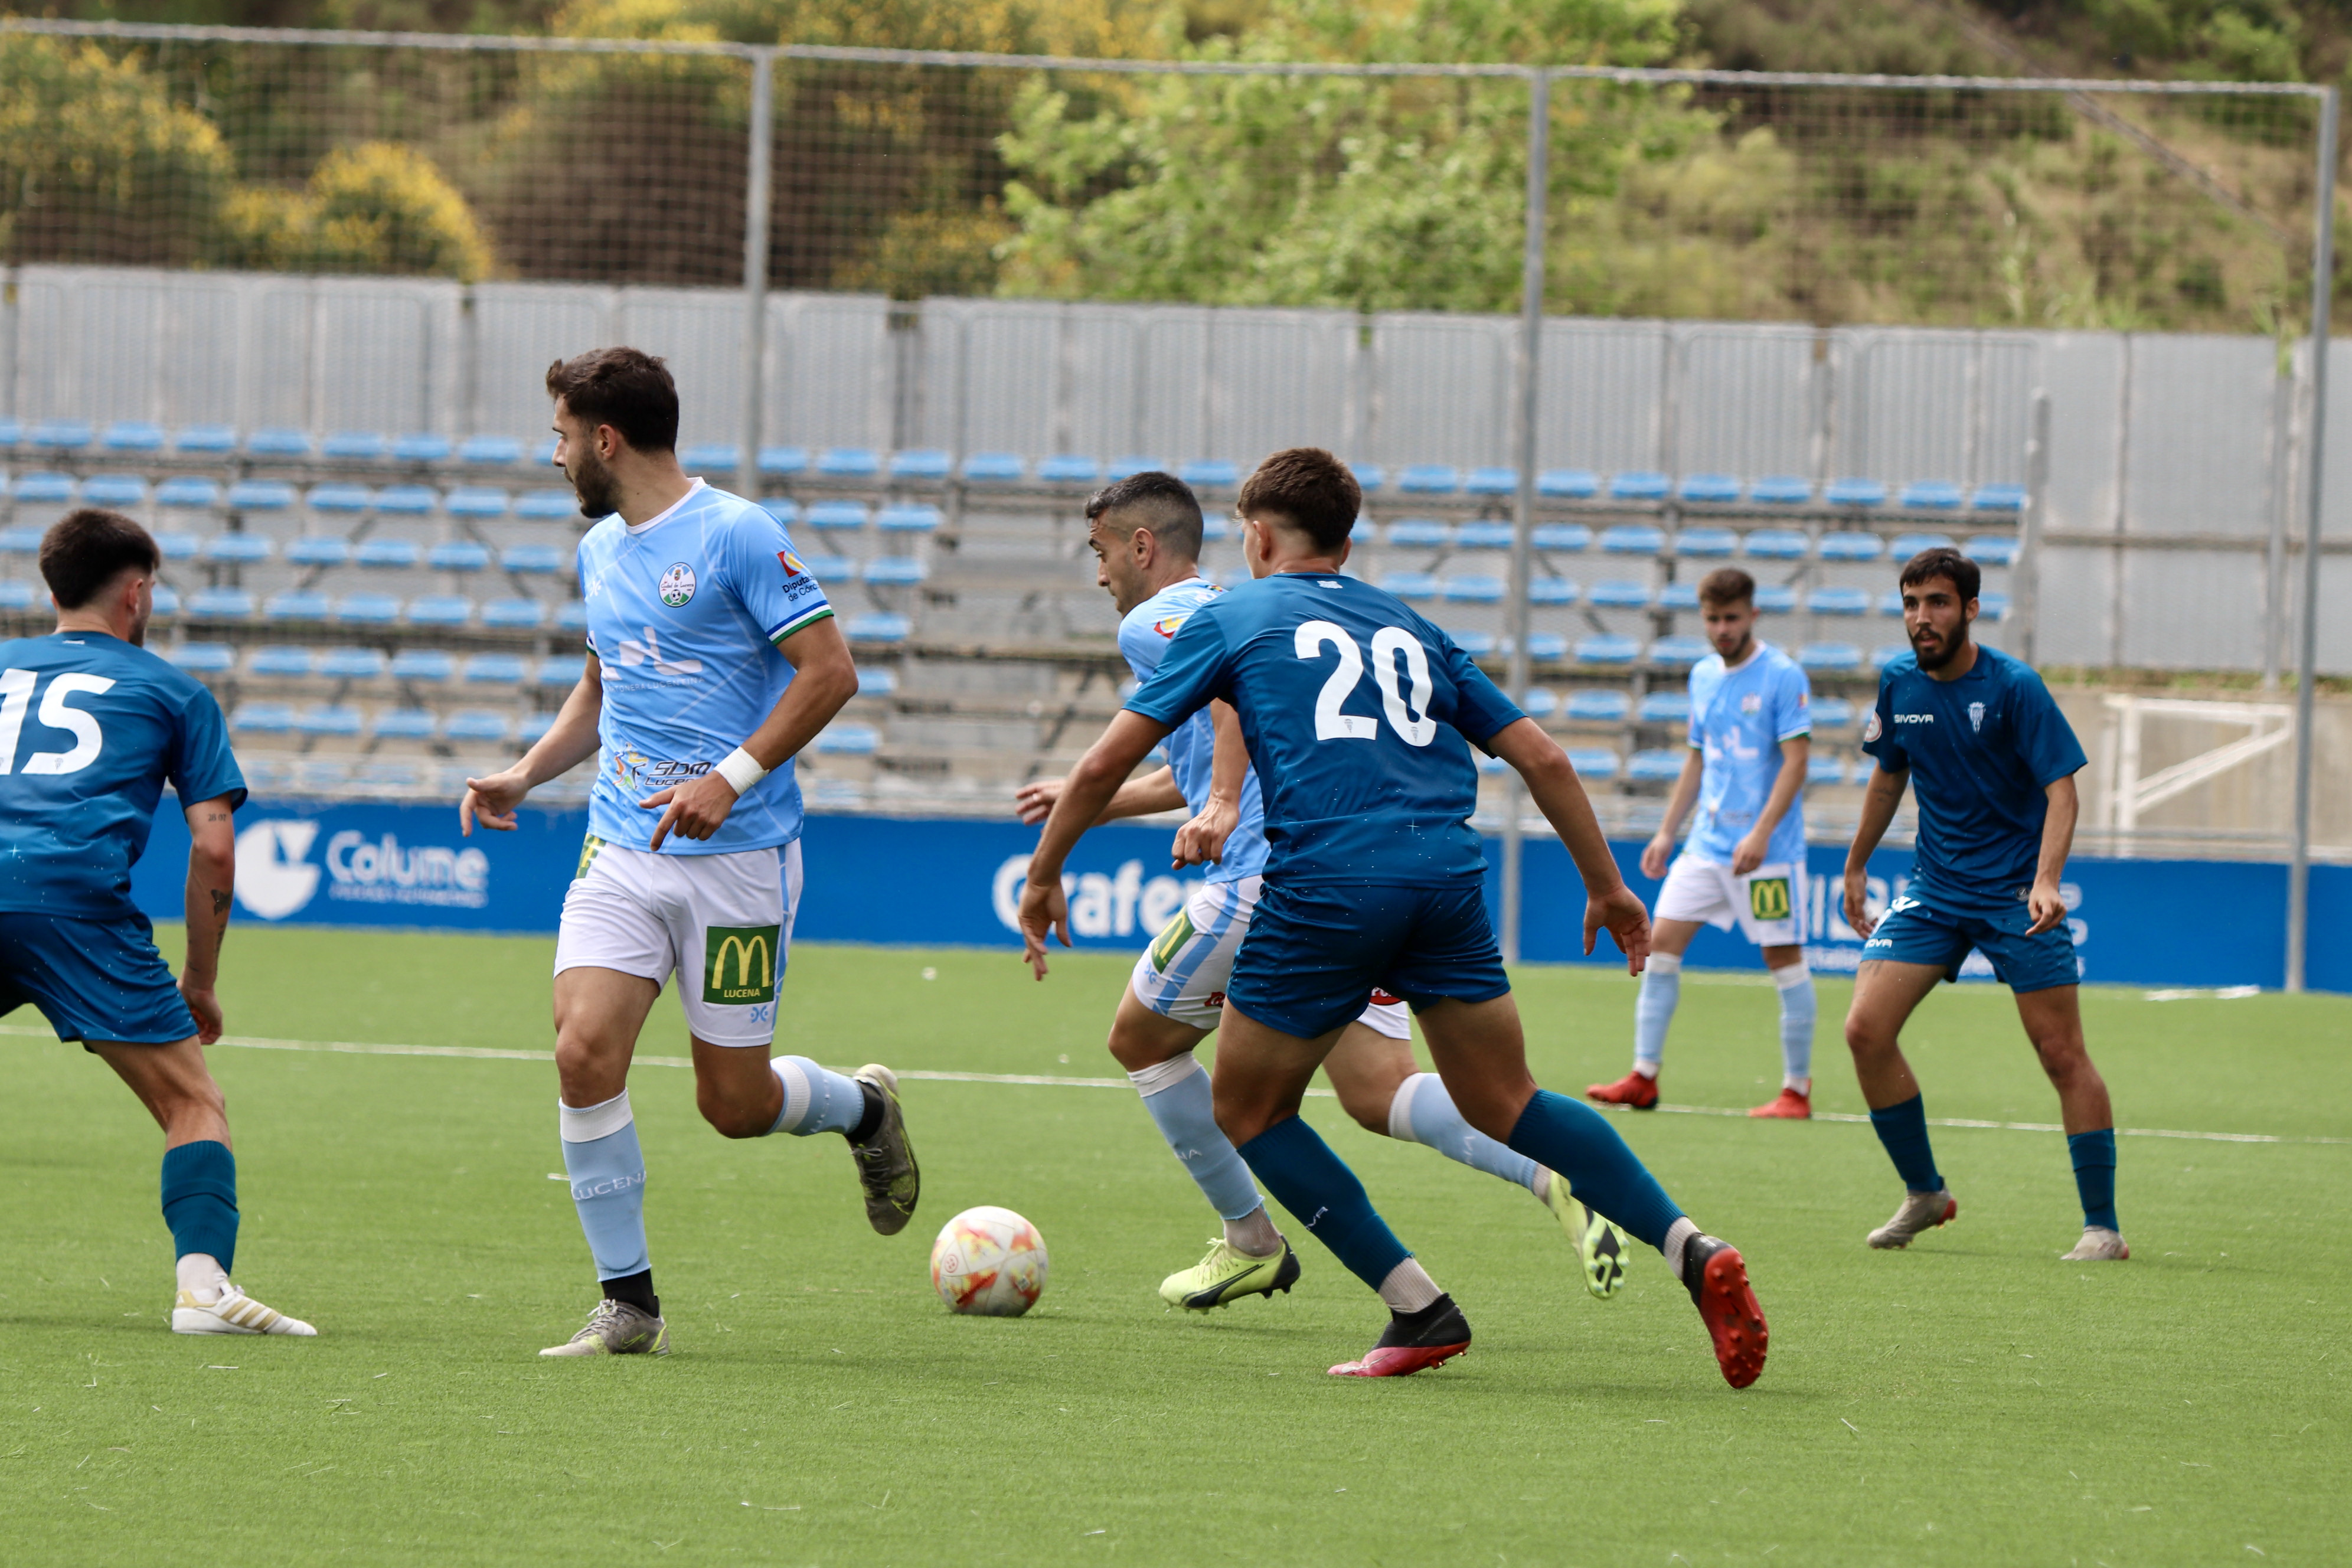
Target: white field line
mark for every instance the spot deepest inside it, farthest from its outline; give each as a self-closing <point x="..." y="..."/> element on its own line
<point x="486" y="1053"/>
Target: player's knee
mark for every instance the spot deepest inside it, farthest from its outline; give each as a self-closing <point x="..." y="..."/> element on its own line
<point x="1865" y="1039"/>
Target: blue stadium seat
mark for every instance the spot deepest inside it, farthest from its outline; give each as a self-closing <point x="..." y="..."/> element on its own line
<point x="353" y="446"/>
<point x="535" y="560"/>
<point x="260" y="495"/>
<point x="20" y="541"/>
<point x="880" y="628"/>
<point x="494" y="669"/>
<point x="925" y="465"/>
<point x="1855" y="492"/>
<point x="46" y="488"/>
<point x="202" y="658"/>
<point x="1540" y="703"/>
<point x="1068" y="471"/>
<point x="133" y="436"/>
<point x="11" y="432"/>
<point x="1215" y="528"/>
<point x="1678" y="597"/>
<point x="1593" y="763"/>
<point x="1890" y="604"/>
<point x="1998" y="497"/>
<point x="424" y="664"/>
<point x="1638" y="484"/>
<point x="340" y="498"/>
<point x="534" y="727"/>
<point x="477" y="724"/>
<point x="1665" y="707"/>
<point x="391" y="554"/>
<point x="1993" y="549"/>
<point x="318" y="550"/>
<point x="558" y="673"/>
<point x="1775" y="599"/>
<point x="1478" y="588"/>
<point x="1414" y="587"/>
<point x="1369" y="477"/>
<point x="1546" y="648"/>
<point x="277" y="441"/>
<point x="784" y="461"/>
<point x="1992" y="607"/>
<point x="421" y="446"/>
<point x="1419" y="533"/>
<point x="831" y="568"/>
<point x="167" y="601"/>
<point x="1708" y="489"/>
<point x="1830" y="657"/>
<point x="440" y="610"/>
<point x="1930" y="495"/>
<point x="1210" y="474"/>
<point x="177" y="546"/>
<point x="489" y="451"/>
<point x="328" y="719"/>
<point x="237" y="548"/>
<point x="1551" y="591"/>
<point x="405" y="725"/>
<point x="1849" y="546"/>
<point x="475" y="501"/>
<point x="894" y="571"/>
<point x="1832" y="713"/>
<point x="1633" y="539"/>
<point x="848" y="740"/>
<point x="907" y="519"/>
<point x="1561" y="538"/>
<point x="1906" y="545"/>
<point x="549" y="506"/>
<point x="873" y="682"/>
<point x="1888" y="653"/>
<point x="837" y="514"/>
<point x="1568" y="484"/>
<point x="63" y="435"/>
<point x="707" y="457"/>
<point x="1707" y="543"/>
<point x="406" y="501"/>
<point x="1492" y="481"/>
<point x="113" y="490"/>
<point x="1839" y="602"/>
<point x="1775" y="544"/>
<point x="351" y="664"/>
<point x="1478" y="645"/>
<point x="457" y="555"/>
<point x="1660" y="764"/>
<point x="1428" y="479"/>
<point x="1824" y="769"/>
<point x="1607" y="649"/>
<point x="263" y="718"/>
<point x="1781" y="489"/>
<point x="294" y="605"/>
<point x="18" y="595"/>
<point x="211" y="441"/>
<point x="847" y="463"/>
<point x="514" y="615"/>
<point x="1619" y="594"/>
<point x="190" y="491"/>
<point x="368" y="610"/>
<point x="1679" y="652"/>
<point x="1598" y="706"/>
<point x="1485" y="535"/>
<point x="572" y="615"/>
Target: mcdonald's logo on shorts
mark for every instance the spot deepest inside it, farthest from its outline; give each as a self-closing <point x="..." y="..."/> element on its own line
<point x="1768" y="897"/>
<point x="1170" y="942"/>
<point x="739" y="964"/>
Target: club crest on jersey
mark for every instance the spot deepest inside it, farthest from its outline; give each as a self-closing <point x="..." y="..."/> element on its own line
<point x="792" y="563"/>
<point x="677" y="585"/>
<point x="1751" y="703"/>
<point x="1976" y="716"/>
<point x="1871" y="728"/>
<point x="1168" y="625"/>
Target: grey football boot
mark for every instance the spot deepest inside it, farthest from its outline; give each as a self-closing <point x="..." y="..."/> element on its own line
<point x="1920" y="1211"/>
<point x="2099" y="1244"/>
<point x="617" y="1328"/>
<point x="885" y="1162"/>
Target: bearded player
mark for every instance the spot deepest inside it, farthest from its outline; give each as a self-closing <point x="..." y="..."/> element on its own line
<point x="712" y="659"/>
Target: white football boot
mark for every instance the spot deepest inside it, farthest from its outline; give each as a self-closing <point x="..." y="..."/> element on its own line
<point x="232" y="1311"/>
<point x="1920" y="1211"/>
<point x="2099" y="1244"/>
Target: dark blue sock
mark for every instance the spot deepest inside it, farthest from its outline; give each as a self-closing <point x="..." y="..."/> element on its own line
<point x="1903" y="1130"/>
<point x="1304" y="1177"/>
<point x="2095" y="1175"/>
<point x="200" y="1200"/>
<point x="1606" y="1176"/>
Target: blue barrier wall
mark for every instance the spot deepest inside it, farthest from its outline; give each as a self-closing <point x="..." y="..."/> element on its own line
<point x="931" y="883"/>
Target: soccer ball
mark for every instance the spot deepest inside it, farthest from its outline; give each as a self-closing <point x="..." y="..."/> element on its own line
<point x="989" y="1262"/>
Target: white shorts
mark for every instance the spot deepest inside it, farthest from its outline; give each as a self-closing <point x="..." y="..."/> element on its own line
<point x="721" y="924"/>
<point x="1182" y="975"/>
<point x="1769" y="902"/>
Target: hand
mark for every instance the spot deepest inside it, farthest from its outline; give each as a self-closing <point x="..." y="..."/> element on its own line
<point x="207" y="1007"/>
<point x="1202" y="840"/>
<point x="1748" y="853"/>
<point x="1034" y="802"/>
<point x="1655" y="856"/>
<point x="697" y="808"/>
<point x="1042" y="909"/>
<point x="2047" y="908"/>
<point x="1627" y="921"/>
<point x="492" y="802"/>
<point x="1857" y="904"/>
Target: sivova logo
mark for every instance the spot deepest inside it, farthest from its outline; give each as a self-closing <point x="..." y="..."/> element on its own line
<point x="1915" y="718"/>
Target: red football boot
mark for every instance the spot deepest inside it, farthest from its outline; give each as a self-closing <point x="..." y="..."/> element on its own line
<point x="1413" y="1341"/>
<point x="1717" y="1276"/>
<point x="1633" y="1090"/>
<point x="1792" y="1107"/>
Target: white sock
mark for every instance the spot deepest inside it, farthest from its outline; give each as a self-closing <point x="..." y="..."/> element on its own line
<point x="202" y="1275"/>
<point x="1254" y="1234"/>
<point x="1678" y="1237"/>
<point x="1653" y="1009"/>
<point x="1409" y="1288"/>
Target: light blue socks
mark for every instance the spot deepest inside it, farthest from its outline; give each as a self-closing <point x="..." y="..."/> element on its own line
<point x="816" y="1099"/>
<point x="1798" y="1012"/>
<point x="608" y="1183"/>
<point x="1176" y="1093"/>
<point x="1662" y="989"/>
<point x="1423" y="1112"/>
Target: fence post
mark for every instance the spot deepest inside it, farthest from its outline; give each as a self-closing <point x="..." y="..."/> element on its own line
<point x="2323" y="285"/>
<point x="2031" y="529"/>
<point x="1523" y="503"/>
<point x="757" y="181"/>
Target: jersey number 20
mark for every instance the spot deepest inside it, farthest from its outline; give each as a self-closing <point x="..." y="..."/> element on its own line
<point x="1412" y="722"/>
<point x="16" y="695"/>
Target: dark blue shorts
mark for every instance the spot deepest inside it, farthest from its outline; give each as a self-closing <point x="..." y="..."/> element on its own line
<point x="1314" y="953"/>
<point x="94" y="979"/>
<point x="1912" y="932"/>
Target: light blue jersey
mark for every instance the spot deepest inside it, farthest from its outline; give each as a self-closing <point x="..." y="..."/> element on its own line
<point x="1143" y="636"/>
<point x="1739" y="716"/>
<point x="684" y="615"/>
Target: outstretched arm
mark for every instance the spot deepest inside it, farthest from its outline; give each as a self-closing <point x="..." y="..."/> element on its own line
<point x="1084" y="794"/>
<point x="2045" y="902"/>
<point x="569" y="741"/>
<point x="1878" y="804"/>
<point x="1558" y="793"/>
<point x="1154" y="792"/>
<point x="212" y="880"/>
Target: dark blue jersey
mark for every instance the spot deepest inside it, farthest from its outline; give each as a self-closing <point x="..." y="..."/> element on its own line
<point x="91" y="728"/>
<point x="1356" y="712"/>
<point x="1981" y="750"/>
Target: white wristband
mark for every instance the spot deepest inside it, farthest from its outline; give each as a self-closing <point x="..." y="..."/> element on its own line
<point x="741" y="769"/>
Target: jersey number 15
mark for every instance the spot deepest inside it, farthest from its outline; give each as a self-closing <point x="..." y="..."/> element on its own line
<point x="1330" y="724"/>
<point x="16" y="695"/>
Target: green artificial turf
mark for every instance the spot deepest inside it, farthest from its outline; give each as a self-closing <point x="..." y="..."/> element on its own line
<point x="1969" y="1401"/>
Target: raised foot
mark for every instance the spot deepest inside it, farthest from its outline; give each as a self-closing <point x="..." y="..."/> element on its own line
<point x="1600" y="1246"/>
<point x="1227" y="1274"/>
<point x="885" y="1162"/>
<point x="1717" y="1278"/>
